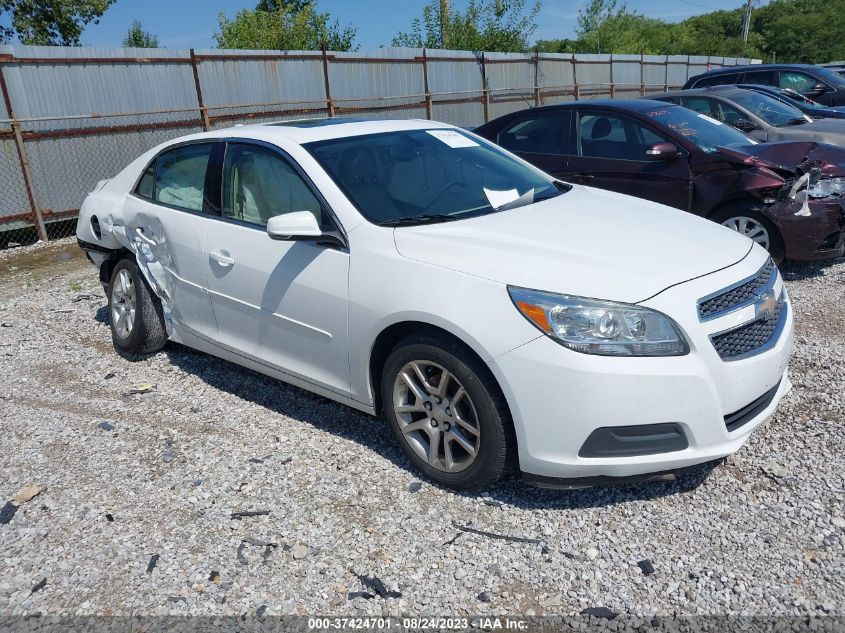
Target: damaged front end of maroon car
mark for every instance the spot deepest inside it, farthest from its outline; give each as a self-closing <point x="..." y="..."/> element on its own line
<point x="801" y="188"/>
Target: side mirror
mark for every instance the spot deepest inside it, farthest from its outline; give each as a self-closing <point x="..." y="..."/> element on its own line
<point x="299" y="225"/>
<point x="818" y="88"/>
<point x="662" y="151"/>
<point x="743" y="125"/>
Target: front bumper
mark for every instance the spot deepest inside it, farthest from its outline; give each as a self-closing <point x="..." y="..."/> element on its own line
<point x="558" y="397"/>
<point x="821" y="235"/>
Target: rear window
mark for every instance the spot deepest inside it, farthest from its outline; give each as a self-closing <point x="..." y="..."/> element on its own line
<point x="717" y="80"/>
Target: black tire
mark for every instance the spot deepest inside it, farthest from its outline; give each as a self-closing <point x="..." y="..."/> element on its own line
<point x="496" y="452"/>
<point x="776" y="246"/>
<point x="148" y="333"/>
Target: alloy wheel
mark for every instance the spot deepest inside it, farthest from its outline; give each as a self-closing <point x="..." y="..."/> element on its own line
<point x="123" y="303"/>
<point x="751" y="228"/>
<point x="436" y="416"/>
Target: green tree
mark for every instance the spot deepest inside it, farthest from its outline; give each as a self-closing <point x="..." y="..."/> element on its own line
<point x="286" y="26"/>
<point x="809" y="31"/>
<point x="49" y="22"/>
<point x="486" y="25"/>
<point x="137" y="37"/>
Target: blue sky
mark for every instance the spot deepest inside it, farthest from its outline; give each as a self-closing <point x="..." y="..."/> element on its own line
<point x="190" y="23"/>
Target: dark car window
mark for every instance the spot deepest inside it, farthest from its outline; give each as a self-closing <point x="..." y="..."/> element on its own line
<point x="764" y="77"/>
<point x="717" y="80"/>
<point x="700" y="104"/>
<point x="259" y="184"/>
<point x="772" y="111"/>
<point x="543" y="133"/>
<point x="177" y="177"/>
<point x="428" y="175"/>
<point x="799" y="82"/>
<point x="733" y="117"/>
<point x="603" y="135"/>
<point x="705" y="132"/>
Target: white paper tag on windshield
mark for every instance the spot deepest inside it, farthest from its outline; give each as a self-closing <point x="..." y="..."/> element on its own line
<point x="499" y="198"/>
<point x="452" y="138"/>
<point x="707" y="118"/>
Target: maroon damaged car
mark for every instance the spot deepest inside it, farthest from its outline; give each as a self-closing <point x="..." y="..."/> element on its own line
<point x="789" y="196"/>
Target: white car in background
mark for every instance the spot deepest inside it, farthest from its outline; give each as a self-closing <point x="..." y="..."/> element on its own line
<point x="492" y="314"/>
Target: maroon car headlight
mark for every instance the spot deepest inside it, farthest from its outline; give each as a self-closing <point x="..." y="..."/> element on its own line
<point x="827" y="187"/>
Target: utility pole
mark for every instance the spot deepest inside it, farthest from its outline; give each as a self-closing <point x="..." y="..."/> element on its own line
<point x="746" y="21"/>
<point x="444" y="23"/>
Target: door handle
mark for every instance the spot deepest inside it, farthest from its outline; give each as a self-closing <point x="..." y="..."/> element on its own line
<point x="222" y="259"/>
<point x="146" y="240"/>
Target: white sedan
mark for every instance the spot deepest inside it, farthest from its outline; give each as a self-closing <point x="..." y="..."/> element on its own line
<point x="494" y="315"/>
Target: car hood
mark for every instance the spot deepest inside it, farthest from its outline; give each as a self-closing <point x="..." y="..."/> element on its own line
<point x="586" y="242"/>
<point x="820" y="130"/>
<point x="789" y="158"/>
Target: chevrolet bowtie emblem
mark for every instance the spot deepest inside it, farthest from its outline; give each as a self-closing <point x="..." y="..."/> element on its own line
<point x="766" y="304"/>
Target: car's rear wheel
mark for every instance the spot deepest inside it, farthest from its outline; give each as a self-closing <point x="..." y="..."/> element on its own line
<point x="135" y="314"/>
<point x="755" y="226"/>
<point x="447" y="412"/>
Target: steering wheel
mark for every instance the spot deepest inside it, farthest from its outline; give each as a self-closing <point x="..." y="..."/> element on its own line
<point x="443" y="189"/>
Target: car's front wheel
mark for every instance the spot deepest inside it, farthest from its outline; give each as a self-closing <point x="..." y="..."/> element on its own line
<point x="135" y="314"/>
<point x="447" y="412"/>
<point x="753" y="225"/>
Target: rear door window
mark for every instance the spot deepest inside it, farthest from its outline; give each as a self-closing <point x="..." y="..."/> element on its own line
<point x="180" y="176"/>
<point x="701" y="105"/>
<point x="538" y="134"/>
<point x="763" y="77"/>
<point x="717" y="80"/>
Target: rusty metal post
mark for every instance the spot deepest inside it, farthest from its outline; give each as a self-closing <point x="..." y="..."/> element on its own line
<point x="536" y="78"/>
<point x="485" y="96"/>
<point x="666" y="74"/>
<point x="329" y="102"/>
<point x="575" y="77"/>
<point x="206" y="125"/>
<point x="24" y="160"/>
<point x="612" y="85"/>
<point x="425" y="85"/>
<point x="642" y="75"/>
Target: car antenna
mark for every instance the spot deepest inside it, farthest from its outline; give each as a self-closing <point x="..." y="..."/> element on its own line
<point x="530" y="105"/>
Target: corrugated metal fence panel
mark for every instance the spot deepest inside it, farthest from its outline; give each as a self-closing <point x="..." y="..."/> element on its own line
<point x="511" y="83"/>
<point x="57" y="89"/>
<point x="593" y="74"/>
<point x="676" y="70"/>
<point x="627" y="75"/>
<point x="654" y="73"/>
<point x="556" y="78"/>
<point x="261" y="85"/>
<point x="456" y="81"/>
<point x="384" y="88"/>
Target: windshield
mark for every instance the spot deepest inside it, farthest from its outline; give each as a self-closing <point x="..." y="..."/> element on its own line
<point x="772" y="111"/>
<point x="415" y="176"/>
<point x="708" y="134"/>
<point x="830" y="76"/>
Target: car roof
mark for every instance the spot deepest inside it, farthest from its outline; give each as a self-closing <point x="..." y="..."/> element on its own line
<point x="717" y="91"/>
<point x="630" y="105"/>
<point x="727" y="70"/>
<point x="308" y="130"/>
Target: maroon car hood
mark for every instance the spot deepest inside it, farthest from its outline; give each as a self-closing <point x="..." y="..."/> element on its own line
<point x="796" y="157"/>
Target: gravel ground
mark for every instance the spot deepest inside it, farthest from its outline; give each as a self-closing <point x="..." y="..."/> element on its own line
<point x="135" y="515"/>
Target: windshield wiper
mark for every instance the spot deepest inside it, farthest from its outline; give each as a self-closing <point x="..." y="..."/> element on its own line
<point x="420" y="219"/>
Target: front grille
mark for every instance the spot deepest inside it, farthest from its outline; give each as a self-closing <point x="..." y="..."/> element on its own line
<point x="749" y="337"/>
<point x="737" y="296"/>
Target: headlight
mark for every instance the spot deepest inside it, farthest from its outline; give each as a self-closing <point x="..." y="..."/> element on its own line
<point x="827" y="187"/>
<point x="591" y="326"/>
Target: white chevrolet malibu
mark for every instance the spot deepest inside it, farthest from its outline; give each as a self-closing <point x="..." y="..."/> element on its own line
<point x="494" y="315"/>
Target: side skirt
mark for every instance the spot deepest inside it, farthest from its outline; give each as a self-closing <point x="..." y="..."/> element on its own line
<point x="190" y="339"/>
